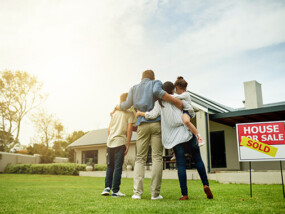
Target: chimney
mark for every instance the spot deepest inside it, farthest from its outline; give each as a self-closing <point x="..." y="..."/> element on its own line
<point x="253" y="94"/>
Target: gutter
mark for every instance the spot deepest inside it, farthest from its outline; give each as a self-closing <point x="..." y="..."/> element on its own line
<point x="208" y="142"/>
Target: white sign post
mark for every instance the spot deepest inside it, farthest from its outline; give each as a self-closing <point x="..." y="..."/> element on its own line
<point x="261" y="142"/>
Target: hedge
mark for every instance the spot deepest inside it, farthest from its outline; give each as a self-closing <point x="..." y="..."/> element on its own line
<point x="100" y="167"/>
<point x="48" y="169"/>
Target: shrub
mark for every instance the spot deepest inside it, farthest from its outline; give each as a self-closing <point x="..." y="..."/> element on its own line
<point x="48" y="169"/>
<point x="100" y="167"/>
<point x="47" y="156"/>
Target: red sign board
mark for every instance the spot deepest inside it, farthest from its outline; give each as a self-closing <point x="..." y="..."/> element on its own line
<point x="269" y="133"/>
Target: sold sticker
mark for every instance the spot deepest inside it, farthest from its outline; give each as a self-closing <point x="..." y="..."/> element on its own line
<point x="259" y="146"/>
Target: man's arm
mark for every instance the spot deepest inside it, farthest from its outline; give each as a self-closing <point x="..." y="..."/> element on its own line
<point x="129" y="137"/>
<point x="128" y="103"/>
<point x="168" y="98"/>
<point x="160" y="93"/>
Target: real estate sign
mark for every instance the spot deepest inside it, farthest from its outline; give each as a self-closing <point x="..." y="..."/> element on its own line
<point x="261" y="141"/>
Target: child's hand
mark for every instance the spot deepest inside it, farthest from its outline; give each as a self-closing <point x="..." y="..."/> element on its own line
<point x="126" y="151"/>
<point x="139" y="113"/>
<point x="111" y="114"/>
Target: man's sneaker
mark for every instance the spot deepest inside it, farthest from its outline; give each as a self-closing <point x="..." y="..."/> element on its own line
<point x="157" y="198"/>
<point x="118" y="194"/>
<point x="106" y="191"/>
<point x="136" y="197"/>
<point x="208" y="192"/>
<point x="201" y="142"/>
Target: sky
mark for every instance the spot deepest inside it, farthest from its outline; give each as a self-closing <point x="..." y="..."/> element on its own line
<point x="88" y="52"/>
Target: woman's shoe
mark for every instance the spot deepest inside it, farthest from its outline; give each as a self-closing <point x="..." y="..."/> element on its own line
<point x="183" y="197"/>
<point x="208" y="192"/>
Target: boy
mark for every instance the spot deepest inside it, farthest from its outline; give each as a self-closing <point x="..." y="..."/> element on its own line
<point x="119" y="139"/>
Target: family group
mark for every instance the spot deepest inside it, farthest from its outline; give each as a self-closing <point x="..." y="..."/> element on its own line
<point x="164" y="113"/>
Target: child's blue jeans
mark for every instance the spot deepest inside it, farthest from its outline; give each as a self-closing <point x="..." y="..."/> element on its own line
<point x="114" y="167"/>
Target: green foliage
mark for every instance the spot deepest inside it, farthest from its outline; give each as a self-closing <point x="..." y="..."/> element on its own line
<point x="70" y="139"/>
<point x="47" y="156"/>
<point x="48" y="127"/>
<point x="59" y="148"/>
<point x="100" y="167"/>
<point x="75" y="136"/>
<point x="19" y="94"/>
<point x="48" y="169"/>
<point x="5" y="136"/>
<point x="36" y="148"/>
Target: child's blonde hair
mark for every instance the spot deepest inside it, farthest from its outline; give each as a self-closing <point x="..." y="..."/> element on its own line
<point x="123" y="97"/>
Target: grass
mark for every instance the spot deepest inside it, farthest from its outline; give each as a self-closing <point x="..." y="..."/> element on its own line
<point x="74" y="194"/>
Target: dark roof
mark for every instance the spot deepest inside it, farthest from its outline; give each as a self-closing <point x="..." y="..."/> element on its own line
<point x="95" y="137"/>
<point x="268" y="113"/>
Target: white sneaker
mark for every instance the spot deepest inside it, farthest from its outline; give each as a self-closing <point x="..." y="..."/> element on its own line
<point x="118" y="194"/>
<point x="157" y="198"/>
<point x="106" y="191"/>
<point x="136" y="197"/>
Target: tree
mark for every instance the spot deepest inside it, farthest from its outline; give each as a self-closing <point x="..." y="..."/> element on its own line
<point x="3" y="135"/>
<point x="48" y="127"/>
<point x="19" y="94"/>
<point x="70" y="139"/>
<point x="59" y="129"/>
<point x="36" y="148"/>
<point x="60" y="148"/>
<point x="48" y="130"/>
<point x="74" y="136"/>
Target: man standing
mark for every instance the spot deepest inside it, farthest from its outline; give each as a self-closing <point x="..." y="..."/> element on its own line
<point x="141" y="96"/>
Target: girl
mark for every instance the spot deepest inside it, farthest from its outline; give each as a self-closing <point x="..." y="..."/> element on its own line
<point x="182" y="94"/>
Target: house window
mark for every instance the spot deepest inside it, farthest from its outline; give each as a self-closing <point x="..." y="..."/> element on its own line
<point x="218" y="150"/>
<point x="86" y="155"/>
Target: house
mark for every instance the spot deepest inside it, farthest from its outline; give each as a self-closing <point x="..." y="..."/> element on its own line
<point x="94" y="145"/>
<point x="216" y="124"/>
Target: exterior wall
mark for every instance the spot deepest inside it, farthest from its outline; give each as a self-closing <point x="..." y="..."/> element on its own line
<point x="60" y="160"/>
<point x="238" y="177"/>
<point x="78" y="156"/>
<point x="230" y="145"/>
<point x="14" y="158"/>
<point x="102" y="155"/>
<point x="232" y="153"/>
<point x="262" y="165"/>
<point x="201" y="123"/>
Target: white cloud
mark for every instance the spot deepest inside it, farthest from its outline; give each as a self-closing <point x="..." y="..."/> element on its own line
<point x="88" y="52"/>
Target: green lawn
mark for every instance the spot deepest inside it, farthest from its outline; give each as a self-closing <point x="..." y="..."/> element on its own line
<point x="73" y="194"/>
